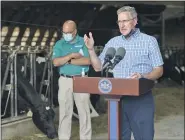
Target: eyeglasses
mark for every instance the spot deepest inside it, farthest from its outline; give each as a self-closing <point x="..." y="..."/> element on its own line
<point x="68" y="32"/>
<point x="124" y="21"/>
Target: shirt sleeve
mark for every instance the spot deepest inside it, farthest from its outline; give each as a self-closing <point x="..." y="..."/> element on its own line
<point x="56" y="50"/>
<point x="155" y="54"/>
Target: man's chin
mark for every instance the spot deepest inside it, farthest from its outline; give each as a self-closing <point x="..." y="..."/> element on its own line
<point x="125" y="34"/>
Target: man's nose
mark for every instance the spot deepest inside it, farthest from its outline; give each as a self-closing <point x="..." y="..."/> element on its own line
<point x="122" y="25"/>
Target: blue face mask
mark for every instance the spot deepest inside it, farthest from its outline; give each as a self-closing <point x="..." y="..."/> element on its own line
<point x="68" y="37"/>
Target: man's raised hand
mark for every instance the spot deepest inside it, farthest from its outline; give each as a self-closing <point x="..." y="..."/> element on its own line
<point x="89" y="41"/>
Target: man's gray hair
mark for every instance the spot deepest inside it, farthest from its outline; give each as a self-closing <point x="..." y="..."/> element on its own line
<point x="129" y="9"/>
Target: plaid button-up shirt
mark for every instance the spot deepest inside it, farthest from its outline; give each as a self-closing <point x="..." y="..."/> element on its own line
<point x="142" y="54"/>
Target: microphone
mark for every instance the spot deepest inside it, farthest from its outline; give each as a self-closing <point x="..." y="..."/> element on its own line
<point x="108" y="64"/>
<point x="109" y="55"/>
<point x="120" y="53"/>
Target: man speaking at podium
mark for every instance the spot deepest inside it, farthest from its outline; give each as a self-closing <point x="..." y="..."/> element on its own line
<point x="141" y="60"/>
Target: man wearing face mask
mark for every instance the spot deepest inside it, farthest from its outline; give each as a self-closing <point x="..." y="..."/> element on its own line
<point x="70" y="55"/>
<point x="142" y="60"/>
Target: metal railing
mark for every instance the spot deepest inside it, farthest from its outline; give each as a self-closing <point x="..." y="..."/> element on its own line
<point x="11" y="69"/>
<point x="30" y="41"/>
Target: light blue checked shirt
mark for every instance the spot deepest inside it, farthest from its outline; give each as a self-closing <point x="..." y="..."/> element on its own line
<point x="142" y="54"/>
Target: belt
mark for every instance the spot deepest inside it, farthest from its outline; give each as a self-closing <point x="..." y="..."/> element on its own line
<point x="69" y="76"/>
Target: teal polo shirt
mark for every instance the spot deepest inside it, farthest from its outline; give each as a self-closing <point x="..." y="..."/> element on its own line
<point x="63" y="48"/>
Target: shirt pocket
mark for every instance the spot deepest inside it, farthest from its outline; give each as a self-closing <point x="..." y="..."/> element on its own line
<point x="139" y="57"/>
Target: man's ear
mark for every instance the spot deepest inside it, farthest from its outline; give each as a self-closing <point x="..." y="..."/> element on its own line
<point x="75" y="31"/>
<point x="135" y="21"/>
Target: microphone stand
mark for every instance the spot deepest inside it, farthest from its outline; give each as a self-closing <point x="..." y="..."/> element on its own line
<point x="107" y="69"/>
<point x="109" y="66"/>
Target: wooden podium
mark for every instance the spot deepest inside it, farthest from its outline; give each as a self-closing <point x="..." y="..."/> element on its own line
<point x="112" y="89"/>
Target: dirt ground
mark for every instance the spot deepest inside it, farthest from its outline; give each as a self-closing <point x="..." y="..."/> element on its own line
<point x="169" y="128"/>
<point x="169" y="118"/>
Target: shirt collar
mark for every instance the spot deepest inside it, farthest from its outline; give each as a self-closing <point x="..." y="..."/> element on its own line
<point x="76" y="39"/>
<point x="134" y="33"/>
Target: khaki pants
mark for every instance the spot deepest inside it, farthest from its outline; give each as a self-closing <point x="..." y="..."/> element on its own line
<point x="65" y="98"/>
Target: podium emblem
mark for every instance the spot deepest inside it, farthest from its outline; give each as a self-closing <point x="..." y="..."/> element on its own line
<point x="105" y="86"/>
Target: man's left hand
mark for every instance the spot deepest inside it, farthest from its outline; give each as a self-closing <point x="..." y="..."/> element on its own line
<point x="135" y="76"/>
